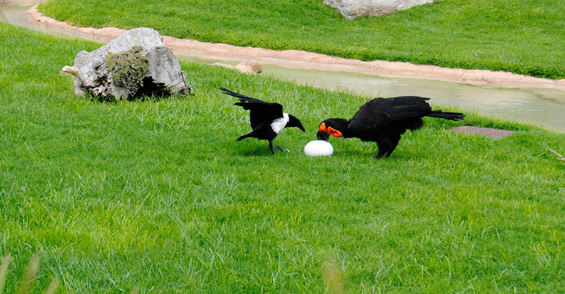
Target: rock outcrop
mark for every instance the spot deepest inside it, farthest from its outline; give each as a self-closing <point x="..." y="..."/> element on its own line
<point x="134" y="64"/>
<point x="351" y="9"/>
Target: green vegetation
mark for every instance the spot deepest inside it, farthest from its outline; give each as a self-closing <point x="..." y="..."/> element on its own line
<point x="157" y="194"/>
<point x="128" y="68"/>
<point x="524" y="37"/>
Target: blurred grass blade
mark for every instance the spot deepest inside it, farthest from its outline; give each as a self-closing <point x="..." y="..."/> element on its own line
<point x="333" y="276"/>
<point x="559" y="156"/>
<point x="29" y="276"/>
<point x="53" y="287"/>
<point x="4" y="272"/>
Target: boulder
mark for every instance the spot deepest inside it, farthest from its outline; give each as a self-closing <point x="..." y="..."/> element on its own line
<point x="246" y="66"/>
<point x="249" y="66"/>
<point x="135" y="63"/>
<point x="351" y="9"/>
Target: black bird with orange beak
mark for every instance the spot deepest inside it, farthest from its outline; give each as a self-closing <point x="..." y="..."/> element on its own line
<point x="383" y="121"/>
<point x="267" y="119"/>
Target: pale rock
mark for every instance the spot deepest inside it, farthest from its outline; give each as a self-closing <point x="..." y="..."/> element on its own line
<point x="246" y="66"/>
<point x="351" y="9"/>
<point x="69" y="71"/>
<point x="249" y="66"/>
<point x="163" y="77"/>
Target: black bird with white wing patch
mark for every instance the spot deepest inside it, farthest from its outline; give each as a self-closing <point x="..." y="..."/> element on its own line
<point x="267" y="119"/>
<point x="384" y="120"/>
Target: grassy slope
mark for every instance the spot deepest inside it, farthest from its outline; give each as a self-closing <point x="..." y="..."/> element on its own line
<point x="158" y="193"/>
<point x="516" y="36"/>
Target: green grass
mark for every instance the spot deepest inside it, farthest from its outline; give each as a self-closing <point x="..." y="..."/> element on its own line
<point x="158" y="194"/>
<point x="523" y="37"/>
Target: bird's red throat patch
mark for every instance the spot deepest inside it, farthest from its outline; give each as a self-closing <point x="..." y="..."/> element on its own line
<point x="330" y="130"/>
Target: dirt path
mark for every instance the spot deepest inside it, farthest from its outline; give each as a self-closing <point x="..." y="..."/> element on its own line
<point x="308" y="60"/>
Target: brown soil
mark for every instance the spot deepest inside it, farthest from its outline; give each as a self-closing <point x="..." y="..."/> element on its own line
<point x="308" y="60"/>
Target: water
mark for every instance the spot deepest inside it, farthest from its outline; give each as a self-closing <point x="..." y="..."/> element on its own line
<point x="542" y="107"/>
<point x="15" y="14"/>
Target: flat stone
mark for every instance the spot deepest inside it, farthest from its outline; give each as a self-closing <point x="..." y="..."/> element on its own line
<point x="487" y="132"/>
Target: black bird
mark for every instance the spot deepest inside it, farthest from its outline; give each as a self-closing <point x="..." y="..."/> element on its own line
<point x="384" y="120"/>
<point x="267" y="119"/>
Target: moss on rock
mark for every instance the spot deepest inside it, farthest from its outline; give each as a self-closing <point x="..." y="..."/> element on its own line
<point x="128" y="68"/>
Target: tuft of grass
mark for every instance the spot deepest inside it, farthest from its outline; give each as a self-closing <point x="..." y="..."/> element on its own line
<point x="158" y="195"/>
<point x="499" y="35"/>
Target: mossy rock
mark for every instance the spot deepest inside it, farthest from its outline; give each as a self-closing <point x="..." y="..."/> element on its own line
<point x="134" y="65"/>
<point x="128" y="68"/>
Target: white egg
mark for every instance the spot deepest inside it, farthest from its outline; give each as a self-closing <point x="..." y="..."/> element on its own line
<point x="318" y="148"/>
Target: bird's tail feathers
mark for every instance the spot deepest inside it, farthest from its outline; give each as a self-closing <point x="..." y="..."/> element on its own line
<point x="232" y="93"/>
<point x="241" y="97"/>
<point x="447" y="115"/>
<point x="245" y="136"/>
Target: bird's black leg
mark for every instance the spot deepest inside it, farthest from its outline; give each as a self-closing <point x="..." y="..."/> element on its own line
<point x="393" y="143"/>
<point x="275" y="145"/>
<point x="271" y="146"/>
<point x="384" y="147"/>
<point x="279" y="146"/>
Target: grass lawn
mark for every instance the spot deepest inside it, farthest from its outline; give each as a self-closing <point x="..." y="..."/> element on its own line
<point x="525" y="37"/>
<point x="157" y="194"/>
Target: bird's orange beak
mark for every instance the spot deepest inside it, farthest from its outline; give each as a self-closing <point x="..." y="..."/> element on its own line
<point x="330" y="131"/>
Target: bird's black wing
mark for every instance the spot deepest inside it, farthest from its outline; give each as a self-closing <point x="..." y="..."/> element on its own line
<point x="260" y="112"/>
<point x="380" y="112"/>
